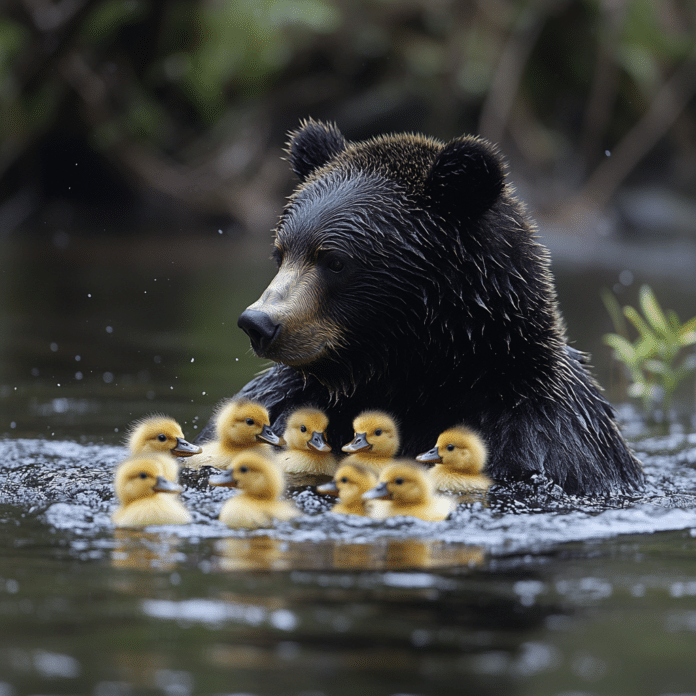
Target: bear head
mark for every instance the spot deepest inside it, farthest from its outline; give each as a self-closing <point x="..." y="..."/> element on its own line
<point x="398" y="253"/>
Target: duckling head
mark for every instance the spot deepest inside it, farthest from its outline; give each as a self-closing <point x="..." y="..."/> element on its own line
<point x="256" y="475"/>
<point x="458" y="448"/>
<point x="403" y="482"/>
<point x="142" y="476"/>
<point x="375" y="431"/>
<point x="306" y="428"/>
<point x="159" y="434"/>
<point x="350" y="482"/>
<point x="244" y="422"/>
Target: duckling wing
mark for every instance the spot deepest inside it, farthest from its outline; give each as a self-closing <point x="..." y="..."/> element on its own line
<point x="456" y="482"/>
<point x="296" y="462"/>
<point x="284" y="510"/>
<point x="162" y="508"/>
<point x="212" y="455"/>
<point x="443" y="507"/>
<point x="242" y="513"/>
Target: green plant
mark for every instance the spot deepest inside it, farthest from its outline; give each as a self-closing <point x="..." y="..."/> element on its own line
<point x="658" y="359"/>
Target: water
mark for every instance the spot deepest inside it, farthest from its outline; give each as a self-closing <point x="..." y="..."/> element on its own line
<point x="530" y="593"/>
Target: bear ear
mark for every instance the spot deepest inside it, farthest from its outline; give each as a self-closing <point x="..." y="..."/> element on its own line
<point x="313" y="145"/>
<point x="466" y="177"/>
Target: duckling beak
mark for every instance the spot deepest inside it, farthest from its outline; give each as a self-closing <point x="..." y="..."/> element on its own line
<point x="226" y="478"/>
<point x="329" y="488"/>
<point x="380" y="491"/>
<point x="432" y="456"/>
<point x="359" y="444"/>
<point x="184" y="448"/>
<point x="318" y="443"/>
<point x="267" y="435"/>
<point x="163" y="485"/>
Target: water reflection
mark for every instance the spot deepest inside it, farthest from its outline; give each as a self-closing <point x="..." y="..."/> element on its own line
<point x="264" y="553"/>
<point x="140" y="550"/>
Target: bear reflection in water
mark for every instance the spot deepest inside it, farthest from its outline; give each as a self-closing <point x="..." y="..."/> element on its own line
<point x="410" y="280"/>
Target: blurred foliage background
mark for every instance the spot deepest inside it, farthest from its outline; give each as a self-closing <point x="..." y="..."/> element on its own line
<point x="118" y="115"/>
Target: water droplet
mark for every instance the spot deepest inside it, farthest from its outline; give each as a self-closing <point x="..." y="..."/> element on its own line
<point x="54" y="347"/>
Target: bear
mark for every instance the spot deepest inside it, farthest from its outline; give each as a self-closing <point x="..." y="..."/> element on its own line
<point x="410" y="280"/>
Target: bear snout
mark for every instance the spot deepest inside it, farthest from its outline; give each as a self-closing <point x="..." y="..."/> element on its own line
<point x="260" y="328"/>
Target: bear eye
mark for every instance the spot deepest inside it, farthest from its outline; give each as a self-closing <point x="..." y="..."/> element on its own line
<point x="336" y="265"/>
<point x="250" y="421"/>
<point x="378" y="431"/>
<point x="162" y="437"/>
<point x="303" y="428"/>
<point x="398" y="481"/>
<point x="243" y="469"/>
<point x="450" y="448"/>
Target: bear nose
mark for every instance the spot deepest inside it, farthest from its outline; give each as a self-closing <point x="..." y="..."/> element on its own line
<point x="260" y="328"/>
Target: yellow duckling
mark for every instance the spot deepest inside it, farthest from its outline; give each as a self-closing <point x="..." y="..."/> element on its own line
<point x="240" y="425"/>
<point x="376" y="441"/>
<point x="307" y="452"/>
<point x="409" y="491"/>
<point x="160" y="434"/>
<point x="459" y="457"/>
<point x="146" y="495"/>
<point x="349" y="484"/>
<point x="261" y="482"/>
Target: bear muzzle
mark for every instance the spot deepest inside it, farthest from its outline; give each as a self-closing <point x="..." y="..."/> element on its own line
<point x="260" y="328"/>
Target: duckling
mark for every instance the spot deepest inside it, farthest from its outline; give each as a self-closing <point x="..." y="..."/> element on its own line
<point x="240" y="425"/>
<point x="349" y="484"/>
<point x="376" y="441"/>
<point x="261" y="482"/>
<point x="146" y="495"/>
<point x="160" y="434"/>
<point x="308" y="452"/>
<point x="459" y="457"/>
<point x="409" y="490"/>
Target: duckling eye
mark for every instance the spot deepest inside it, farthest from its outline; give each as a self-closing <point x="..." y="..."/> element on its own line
<point x="303" y="428"/>
<point x="378" y="431"/>
<point x="162" y="437"/>
<point x="250" y="421"/>
<point x="142" y="475"/>
<point x="243" y="469"/>
<point x="450" y="448"/>
<point x="344" y="479"/>
<point x="398" y="481"/>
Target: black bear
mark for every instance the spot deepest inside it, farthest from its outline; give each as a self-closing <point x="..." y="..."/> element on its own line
<point x="410" y="281"/>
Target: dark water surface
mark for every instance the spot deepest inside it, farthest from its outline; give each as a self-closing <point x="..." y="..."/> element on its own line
<point x="531" y="593"/>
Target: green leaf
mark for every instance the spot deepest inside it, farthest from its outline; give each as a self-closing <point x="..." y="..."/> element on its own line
<point x="652" y="310"/>
<point x="687" y="333"/>
<point x="624" y="349"/>
<point x="614" y="309"/>
<point x="656" y="366"/>
<point x="634" y="317"/>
